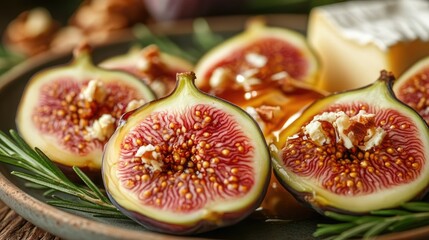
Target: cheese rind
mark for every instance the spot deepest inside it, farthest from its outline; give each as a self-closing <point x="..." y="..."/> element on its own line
<point x="356" y="40"/>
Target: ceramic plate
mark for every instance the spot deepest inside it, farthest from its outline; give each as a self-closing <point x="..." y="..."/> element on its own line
<point x="30" y="203"/>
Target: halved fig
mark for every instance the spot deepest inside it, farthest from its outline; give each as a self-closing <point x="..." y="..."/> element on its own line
<point x="355" y="151"/>
<point x="155" y="68"/>
<point x="259" y="55"/>
<point x="70" y="111"/>
<point x="187" y="163"/>
<point x="262" y="70"/>
<point x="412" y="87"/>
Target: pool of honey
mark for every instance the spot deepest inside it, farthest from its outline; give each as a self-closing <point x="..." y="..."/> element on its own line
<point x="287" y="97"/>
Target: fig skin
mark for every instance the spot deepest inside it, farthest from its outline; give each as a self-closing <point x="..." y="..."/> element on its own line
<point x="311" y="176"/>
<point x="55" y="113"/>
<point x="184" y="197"/>
<point x="411" y="87"/>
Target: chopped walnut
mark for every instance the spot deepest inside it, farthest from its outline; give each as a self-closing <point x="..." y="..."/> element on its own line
<point x="149" y="157"/>
<point x="101" y="17"/>
<point x="94" y="91"/>
<point x="254" y="114"/>
<point x="134" y="104"/>
<point x="152" y="69"/>
<point x="219" y="78"/>
<point x="359" y="130"/>
<point x="31" y="32"/>
<point x="256" y="59"/>
<point x="268" y="113"/>
<point x="102" y="128"/>
<point x="247" y="78"/>
<point x="67" y="38"/>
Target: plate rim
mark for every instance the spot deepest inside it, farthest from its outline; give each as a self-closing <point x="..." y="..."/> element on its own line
<point x="81" y="227"/>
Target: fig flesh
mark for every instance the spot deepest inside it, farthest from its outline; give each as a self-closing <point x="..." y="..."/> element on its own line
<point x="268" y="72"/>
<point x="412" y="87"/>
<point x="262" y="70"/>
<point x="155" y="68"/>
<point x="70" y="111"/>
<point x="187" y="163"/>
<point x="355" y="151"/>
<point x="260" y="54"/>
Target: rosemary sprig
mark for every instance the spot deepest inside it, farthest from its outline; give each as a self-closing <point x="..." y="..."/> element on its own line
<point x="41" y="172"/>
<point x="8" y="59"/>
<point x="410" y="215"/>
<point x="203" y="40"/>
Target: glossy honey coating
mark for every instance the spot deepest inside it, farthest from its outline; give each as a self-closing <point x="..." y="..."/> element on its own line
<point x="268" y="72"/>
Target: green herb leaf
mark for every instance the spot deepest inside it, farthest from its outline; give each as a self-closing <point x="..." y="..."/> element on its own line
<point x="416" y="206"/>
<point x="146" y="37"/>
<point x="203" y="38"/>
<point x="42" y="173"/>
<point x="91" y="185"/>
<point x="332" y="229"/>
<point x="376" y="223"/>
<point x="8" y="59"/>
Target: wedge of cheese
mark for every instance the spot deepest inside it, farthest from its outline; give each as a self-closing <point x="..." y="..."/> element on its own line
<point x="355" y="40"/>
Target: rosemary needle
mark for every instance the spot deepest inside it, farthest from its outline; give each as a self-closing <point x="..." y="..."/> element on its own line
<point x="40" y="171"/>
<point x="203" y="39"/>
<point x="8" y="59"/>
<point x="410" y="215"/>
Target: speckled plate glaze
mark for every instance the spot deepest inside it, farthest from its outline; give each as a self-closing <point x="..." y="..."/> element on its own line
<point x="30" y="203"/>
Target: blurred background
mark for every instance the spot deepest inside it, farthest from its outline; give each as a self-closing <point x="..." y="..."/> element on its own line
<point x="30" y="27"/>
<point x="62" y="10"/>
<point x="161" y="9"/>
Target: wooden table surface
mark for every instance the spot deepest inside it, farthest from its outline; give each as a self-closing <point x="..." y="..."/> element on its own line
<point x="13" y="226"/>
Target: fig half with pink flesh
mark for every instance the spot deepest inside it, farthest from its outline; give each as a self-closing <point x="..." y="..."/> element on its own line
<point x="264" y="70"/>
<point x="70" y="111"/>
<point x="260" y="54"/>
<point x="187" y="163"/>
<point x="155" y="68"/>
<point x="412" y="87"/>
<point x="355" y="151"/>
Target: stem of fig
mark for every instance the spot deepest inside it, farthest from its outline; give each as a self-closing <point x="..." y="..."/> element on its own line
<point x="83" y="49"/>
<point x="82" y="55"/>
<point x="185" y="83"/>
<point x="387" y="77"/>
